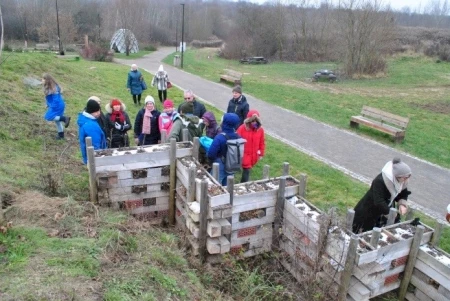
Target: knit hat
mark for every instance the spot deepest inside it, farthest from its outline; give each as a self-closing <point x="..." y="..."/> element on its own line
<point x="187" y="108"/>
<point x="237" y="89"/>
<point x="95" y="98"/>
<point x="400" y="169"/>
<point x="148" y="98"/>
<point x="160" y="69"/>
<point x="92" y="106"/>
<point x="133" y="67"/>
<point x="168" y="103"/>
<point x="115" y="102"/>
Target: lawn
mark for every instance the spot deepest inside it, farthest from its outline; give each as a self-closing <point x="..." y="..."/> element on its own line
<point x="414" y="86"/>
<point x="62" y="247"/>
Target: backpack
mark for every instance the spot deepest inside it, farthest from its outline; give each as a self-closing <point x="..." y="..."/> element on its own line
<point x="235" y="154"/>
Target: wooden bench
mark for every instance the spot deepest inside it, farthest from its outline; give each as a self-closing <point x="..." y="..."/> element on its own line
<point x="385" y="122"/>
<point x="231" y="76"/>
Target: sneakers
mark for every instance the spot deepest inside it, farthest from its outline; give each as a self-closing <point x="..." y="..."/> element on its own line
<point x="67" y="122"/>
<point x="60" y="136"/>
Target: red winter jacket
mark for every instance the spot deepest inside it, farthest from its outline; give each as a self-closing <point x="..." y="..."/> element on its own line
<point x="255" y="139"/>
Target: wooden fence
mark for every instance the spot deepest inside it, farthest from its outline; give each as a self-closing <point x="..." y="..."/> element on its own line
<point x="268" y="215"/>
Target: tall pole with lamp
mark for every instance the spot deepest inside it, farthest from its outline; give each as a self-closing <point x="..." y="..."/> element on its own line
<point x="61" y="52"/>
<point x="182" y="37"/>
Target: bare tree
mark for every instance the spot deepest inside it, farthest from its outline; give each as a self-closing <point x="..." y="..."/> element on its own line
<point x="1" y="41"/>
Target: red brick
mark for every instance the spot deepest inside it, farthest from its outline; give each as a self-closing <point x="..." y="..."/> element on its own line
<point x="178" y="212"/>
<point x="391" y="279"/>
<point x="112" y="180"/>
<point x="235" y="250"/>
<point x="145" y="216"/>
<point x="246" y="232"/>
<point x="399" y="261"/>
<point x="131" y="204"/>
<point x="163" y="213"/>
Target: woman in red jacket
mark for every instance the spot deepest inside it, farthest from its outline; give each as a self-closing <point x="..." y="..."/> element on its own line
<point x="252" y="131"/>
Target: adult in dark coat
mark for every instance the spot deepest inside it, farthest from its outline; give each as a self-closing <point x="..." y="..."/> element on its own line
<point x="146" y="125"/>
<point x="199" y="108"/>
<point x="118" y="124"/>
<point x="238" y="105"/>
<point x="387" y="189"/>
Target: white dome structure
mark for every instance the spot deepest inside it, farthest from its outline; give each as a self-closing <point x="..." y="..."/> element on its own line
<point x="118" y="41"/>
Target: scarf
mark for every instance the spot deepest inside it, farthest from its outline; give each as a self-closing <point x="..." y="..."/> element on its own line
<point x="146" y="125"/>
<point x="394" y="186"/>
<point x="119" y="115"/>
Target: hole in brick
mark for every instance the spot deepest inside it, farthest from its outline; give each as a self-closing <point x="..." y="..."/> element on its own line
<point x="165" y="186"/>
<point x="165" y="171"/>
<point x="139" y="173"/>
<point x="236" y="250"/>
<point x="248" y="215"/>
<point x="246" y="232"/>
<point x="149" y="201"/>
<point x="138" y="188"/>
<point x="121" y="205"/>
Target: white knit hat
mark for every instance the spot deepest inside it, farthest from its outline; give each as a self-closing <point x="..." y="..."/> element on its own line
<point x="160" y="69"/>
<point x="149" y="98"/>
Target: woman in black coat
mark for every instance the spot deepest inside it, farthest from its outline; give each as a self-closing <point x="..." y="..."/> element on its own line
<point x="388" y="188"/>
<point x="146" y="125"/>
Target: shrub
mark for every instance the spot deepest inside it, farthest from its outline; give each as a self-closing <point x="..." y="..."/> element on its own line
<point x="150" y="48"/>
<point x="97" y="53"/>
<point x="6" y="47"/>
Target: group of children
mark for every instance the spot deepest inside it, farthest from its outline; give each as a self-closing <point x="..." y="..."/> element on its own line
<point x="110" y="130"/>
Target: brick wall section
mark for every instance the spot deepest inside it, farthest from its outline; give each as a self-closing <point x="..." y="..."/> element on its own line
<point x="399" y="261"/>
<point x="131" y="204"/>
<point x="391" y="279"/>
<point x="246" y="231"/>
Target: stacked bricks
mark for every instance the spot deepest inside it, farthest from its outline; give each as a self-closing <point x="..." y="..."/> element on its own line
<point x="136" y="179"/>
<point x="190" y="174"/>
<point x="431" y="275"/>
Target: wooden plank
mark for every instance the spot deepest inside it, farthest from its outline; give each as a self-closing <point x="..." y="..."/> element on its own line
<point x="128" y="190"/>
<point x="379" y="126"/>
<point x="382" y="288"/>
<point x="267" y="219"/>
<point x="204" y="203"/>
<point x="411" y="297"/>
<point x="254" y="204"/>
<point x="302" y="216"/>
<point x="131" y="166"/>
<point x="427" y="289"/>
<point x="347" y="273"/>
<point x="307" y="228"/>
<point x="279" y="209"/>
<point x="310" y="249"/>
<point x="421" y="295"/>
<point x="133" y="196"/>
<point x="93" y="193"/>
<point x="385" y="116"/>
<point x="140" y="181"/>
<point x="442" y="278"/>
<point x="411" y="262"/>
<point x="443" y="291"/>
<point x="128" y="174"/>
<point x="147" y="209"/>
<point x="432" y="262"/>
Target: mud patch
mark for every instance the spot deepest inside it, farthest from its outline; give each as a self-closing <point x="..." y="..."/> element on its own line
<point x="438" y="107"/>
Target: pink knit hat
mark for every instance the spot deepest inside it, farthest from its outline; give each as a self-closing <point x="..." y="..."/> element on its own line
<point x="168" y="103"/>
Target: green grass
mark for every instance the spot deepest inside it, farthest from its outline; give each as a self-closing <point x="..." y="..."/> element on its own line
<point x="102" y="252"/>
<point x="415" y="87"/>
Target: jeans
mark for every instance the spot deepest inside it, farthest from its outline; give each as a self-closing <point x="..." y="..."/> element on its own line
<point x="59" y="124"/>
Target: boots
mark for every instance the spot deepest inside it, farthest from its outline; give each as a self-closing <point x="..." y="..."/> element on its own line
<point x="66" y="120"/>
<point x="60" y="136"/>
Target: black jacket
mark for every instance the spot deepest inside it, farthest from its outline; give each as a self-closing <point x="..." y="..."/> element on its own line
<point x="374" y="205"/>
<point x="155" y="134"/>
<point x="240" y="107"/>
<point x="199" y="108"/>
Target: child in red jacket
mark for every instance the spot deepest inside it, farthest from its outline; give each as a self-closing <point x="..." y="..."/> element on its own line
<point x="254" y="148"/>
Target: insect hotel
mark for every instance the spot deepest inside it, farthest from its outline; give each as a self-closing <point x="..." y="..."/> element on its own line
<point x="269" y="215"/>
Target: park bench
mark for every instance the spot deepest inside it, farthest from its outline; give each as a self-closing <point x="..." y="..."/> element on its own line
<point x="231" y="76"/>
<point x="385" y="122"/>
<point x="42" y="47"/>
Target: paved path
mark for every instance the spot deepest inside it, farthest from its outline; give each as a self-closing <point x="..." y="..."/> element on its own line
<point x="356" y="156"/>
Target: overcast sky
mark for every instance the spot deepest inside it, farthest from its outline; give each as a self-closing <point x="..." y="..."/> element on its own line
<point x="395" y="4"/>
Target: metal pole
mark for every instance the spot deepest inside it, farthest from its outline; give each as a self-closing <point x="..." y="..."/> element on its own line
<point x="59" y="36"/>
<point x="176" y="36"/>
<point x="182" y="37"/>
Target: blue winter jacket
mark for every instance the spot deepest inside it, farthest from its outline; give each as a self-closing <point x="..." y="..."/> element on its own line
<point x="134" y="82"/>
<point x="55" y="105"/>
<point x="88" y="127"/>
<point x="218" y="148"/>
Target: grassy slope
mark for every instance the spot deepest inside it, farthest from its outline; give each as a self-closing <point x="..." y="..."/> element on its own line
<point x="415" y="87"/>
<point x="104" y="254"/>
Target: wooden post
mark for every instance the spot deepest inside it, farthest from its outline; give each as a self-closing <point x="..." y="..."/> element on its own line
<point x="376" y="233"/>
<point x="172" y="179"/>
<point x="92" y="174"/>
<point x="348" y="268"/>
<point x="215" y="171"/>
<point x="411" y="262"/>
<point x="391" y="217"/>
<point x="190" y="196"/>
<point x="410" y="214"/>
<point x="266" y="170"/>
<point x="285" y="168"/>
<point x="2" y="217"/>
<point x="203" y="221"/>
<point x="185" y="135"/>
<point x="88" y="141"/>
<point x="230" y="189"/>
<point x="437" y="234"/>
<point x="279" y="208"/>
<point x="163" y="136"/>
<point x="302" y="186"/>
<point x="196" y="148"/>
<point x="350" y="218"/>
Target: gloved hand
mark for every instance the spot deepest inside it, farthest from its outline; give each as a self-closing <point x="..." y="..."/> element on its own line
<point x="118" y="126"/>
<point x="126" y="127"/>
